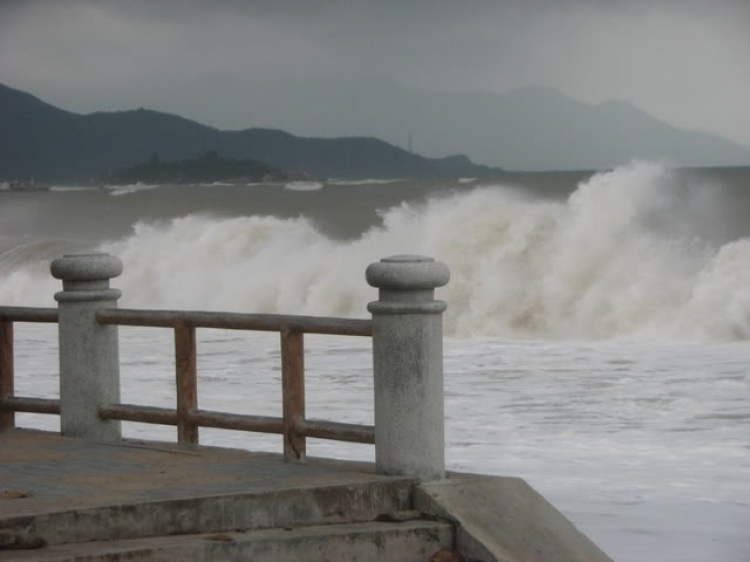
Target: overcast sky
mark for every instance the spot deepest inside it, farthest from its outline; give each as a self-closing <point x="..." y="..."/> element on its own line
<point x="223" y="62"/>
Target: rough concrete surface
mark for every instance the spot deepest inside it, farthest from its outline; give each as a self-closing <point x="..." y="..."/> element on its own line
<point x="82" y="491"/>
<point x="407" y="350"/>
<point x="505" y="520"/>
<point x="89" y="353"/>
<point x="90" y="501"/>
<point x="412" y="541"/>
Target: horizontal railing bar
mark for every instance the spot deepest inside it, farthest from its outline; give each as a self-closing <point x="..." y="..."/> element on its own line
<point x="30" y="405"/>
<point x="27" y="314"/>
<point x="241" y="422"/>
<point x="319" y="429"/>
<point x="204" y="319"/>
<point x="235" y="321"/>
<point x="143" y="414"/>
<point x="336" y="431"/>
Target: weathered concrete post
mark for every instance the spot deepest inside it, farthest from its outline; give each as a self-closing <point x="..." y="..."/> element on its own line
<point x="408" y="365"/>
<point x="89" y="358"/>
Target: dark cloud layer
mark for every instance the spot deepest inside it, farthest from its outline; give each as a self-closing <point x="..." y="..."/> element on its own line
<point x="226" y="62"/>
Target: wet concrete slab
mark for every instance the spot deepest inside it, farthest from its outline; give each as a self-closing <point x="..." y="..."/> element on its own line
<point x="43" y="472"/>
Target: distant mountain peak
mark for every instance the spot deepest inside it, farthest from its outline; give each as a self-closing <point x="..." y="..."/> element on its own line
<point x="12" y="95"/>
<point x="14" y="103"/>
<point x="531" y="128"/>
<point x="540" y="93"/>
<point x="619" y="105"/>
<point x="536" y="89"/>
<point x="35" y="142"/>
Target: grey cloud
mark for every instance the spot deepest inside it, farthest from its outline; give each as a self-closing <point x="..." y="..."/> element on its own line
<point x="228" y="62"/>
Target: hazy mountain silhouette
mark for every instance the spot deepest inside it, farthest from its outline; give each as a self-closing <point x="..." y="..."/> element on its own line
<point x="535" y="128"/>
<point x="41" y="141"/>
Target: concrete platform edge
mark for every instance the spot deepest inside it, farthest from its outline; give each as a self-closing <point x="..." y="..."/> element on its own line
<point x="370" y="542"/>
<point x="501" y="519"/>
<point x="263" y="509"/>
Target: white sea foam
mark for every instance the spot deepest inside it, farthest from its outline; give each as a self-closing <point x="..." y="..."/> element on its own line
<point x="65" y="188"/>
<point x="371" y="181"/>
<point x="304" y="185"/>
<point x="618" y="259"/>
<point x="118" y="190"/>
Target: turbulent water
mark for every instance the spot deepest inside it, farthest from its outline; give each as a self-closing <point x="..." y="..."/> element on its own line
<point x="598" y="324"/>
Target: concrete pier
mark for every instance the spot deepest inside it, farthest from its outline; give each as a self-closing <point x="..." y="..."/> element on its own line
<point x="89" y="495"/>
<point x="64" y="499"/>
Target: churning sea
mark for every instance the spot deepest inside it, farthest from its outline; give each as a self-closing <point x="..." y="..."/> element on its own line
<point x="597" y="332"/>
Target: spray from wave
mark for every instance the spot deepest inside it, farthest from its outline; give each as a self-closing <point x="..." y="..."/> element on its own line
<point x="626" y="256"/>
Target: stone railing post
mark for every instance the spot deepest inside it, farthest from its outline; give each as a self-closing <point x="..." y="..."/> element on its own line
<point x="408" y="366"/>
<point x="89" y="357"/>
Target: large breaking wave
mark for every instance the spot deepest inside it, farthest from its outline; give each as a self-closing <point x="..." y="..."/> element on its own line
<point x="626" y="256"/>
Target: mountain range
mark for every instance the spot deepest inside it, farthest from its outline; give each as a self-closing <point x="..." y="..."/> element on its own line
<point x="38" y="140"/>
<point x="531" y="129"/>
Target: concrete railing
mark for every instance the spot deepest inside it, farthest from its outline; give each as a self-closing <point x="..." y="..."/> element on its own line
<point x="406" y="328"/>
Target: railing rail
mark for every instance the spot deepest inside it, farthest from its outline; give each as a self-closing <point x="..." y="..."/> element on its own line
<point x="28" y="314"/>
<point x="406" y="331"/>
<point x="7" y="416"/>
<point x="188" y="418"/>
<point x="235" y="321"/>
<point x="9" y="403"/>
<point x="293" y="425"/>
<point x="321" y="429"/>
<point x="30" y="405"/>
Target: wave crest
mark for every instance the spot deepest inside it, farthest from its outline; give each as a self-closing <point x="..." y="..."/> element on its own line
<point x="625" y="256"/>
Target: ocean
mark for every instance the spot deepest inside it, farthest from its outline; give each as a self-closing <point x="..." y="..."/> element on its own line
<point x="596" y="335"/>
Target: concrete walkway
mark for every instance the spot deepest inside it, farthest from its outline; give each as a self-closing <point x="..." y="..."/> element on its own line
<point x="68" y="500"/>
<point x="44" y="472"/>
